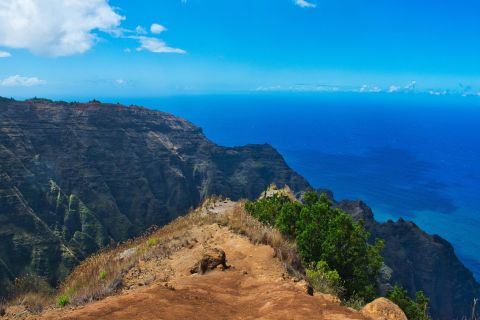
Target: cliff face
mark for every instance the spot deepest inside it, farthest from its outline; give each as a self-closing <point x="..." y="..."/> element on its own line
<point x="420" y="261"/>
<point x="75" y="177"/>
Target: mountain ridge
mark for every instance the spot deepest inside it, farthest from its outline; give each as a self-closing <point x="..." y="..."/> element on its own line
<point x="78" y="177"/>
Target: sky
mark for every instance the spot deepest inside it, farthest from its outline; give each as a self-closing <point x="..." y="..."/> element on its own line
<point x="145" y="48"/>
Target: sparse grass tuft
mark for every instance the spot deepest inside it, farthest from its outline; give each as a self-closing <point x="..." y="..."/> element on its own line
<point x="63" y="300"/>
<point x="152" y="242"/>
<point x="102" y="275"/>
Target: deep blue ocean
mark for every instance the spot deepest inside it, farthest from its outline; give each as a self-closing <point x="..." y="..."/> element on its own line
<point x="410" y="156"/>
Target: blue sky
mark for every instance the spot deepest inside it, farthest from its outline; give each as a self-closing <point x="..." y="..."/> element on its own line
<point x="57" y="48"/>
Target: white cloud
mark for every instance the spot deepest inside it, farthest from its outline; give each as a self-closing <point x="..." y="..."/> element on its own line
<point x="157" y="28"/>
<point x="5" y="54"/>
<point x="305" y="4"/>
<point x="140" y="30"/>
<point x="120" y="82"/>
<point x="411" y="86"/>
<point x="438" y="92"/>
<point x="19" y="81"/>
<point x="157" y="46"/>
<point x="393" y="88"/>
<point x="55" y="27"/>
<point x="369" y="89"/>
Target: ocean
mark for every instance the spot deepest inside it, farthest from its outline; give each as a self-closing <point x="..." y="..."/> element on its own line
<point x="406" y="155"/>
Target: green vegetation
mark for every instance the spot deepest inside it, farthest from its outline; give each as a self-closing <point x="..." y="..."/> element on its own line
<point x="63" y="300"/>
<point x="329" y="241"/>
<point x="102" y="275"/>
<point x="414" y="309"/>
<point x="152" y="242"/>
<point x="325" y="280"/>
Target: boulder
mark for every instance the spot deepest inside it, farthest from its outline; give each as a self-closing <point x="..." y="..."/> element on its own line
<point x="211" y="259"/>
<point x="383" y="309"/>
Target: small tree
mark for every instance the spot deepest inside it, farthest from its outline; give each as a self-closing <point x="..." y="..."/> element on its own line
<point x="328" y="236"/>
<point x="414" y="309"/>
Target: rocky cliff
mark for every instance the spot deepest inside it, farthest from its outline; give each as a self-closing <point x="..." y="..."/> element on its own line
<point x="419" y="261"/>
<point x="76" y="177"/>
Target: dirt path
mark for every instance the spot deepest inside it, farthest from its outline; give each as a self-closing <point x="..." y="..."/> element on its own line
<point x="255" y="287"/>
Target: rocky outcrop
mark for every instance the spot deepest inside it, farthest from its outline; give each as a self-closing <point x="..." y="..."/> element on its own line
<point x="383" y="309"/>
<point x="77" y="177"/>
<point x="421" y="262"/>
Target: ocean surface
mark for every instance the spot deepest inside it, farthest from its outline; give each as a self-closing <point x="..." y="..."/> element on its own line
<point x="410" y="156"/>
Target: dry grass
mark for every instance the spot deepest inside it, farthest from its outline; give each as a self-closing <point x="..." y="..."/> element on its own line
<point x="101" y="274"/>
<point x="30" y="291"/>
<point x="2" y="307"/>
<point x="239" y="221"/>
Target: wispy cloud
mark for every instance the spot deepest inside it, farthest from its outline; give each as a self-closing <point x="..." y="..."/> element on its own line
<point x="369" y="89"/>
<point x="305" y="4"/>
<point x="55" y="27"/>
<point x="19" y="81"/>
<point x="148" y="43"/>
<point x="157" y="46"/>
<point x="300" y="88"/>
<point x="5" y="54"/>
<point x="140" y="30"/>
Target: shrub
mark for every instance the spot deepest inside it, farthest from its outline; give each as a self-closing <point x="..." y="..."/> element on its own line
<point x="414" y="309"/>
<point x="63" y="300"/>
<point x="328" y="236"/>
<point x="324" y="280"/>
<point x="267" y="209"/>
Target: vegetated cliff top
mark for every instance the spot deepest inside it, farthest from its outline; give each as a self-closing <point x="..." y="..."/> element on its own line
<point x="154" y="277"/>
<point x="76" y="177"/>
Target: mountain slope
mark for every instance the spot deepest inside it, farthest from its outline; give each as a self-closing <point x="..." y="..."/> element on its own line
<point x="160" y="285"/>
<point x="421" y="262"/>
<point x="75" y="177"/>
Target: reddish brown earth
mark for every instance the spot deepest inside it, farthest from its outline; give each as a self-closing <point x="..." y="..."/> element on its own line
<point x="254" y="287"/>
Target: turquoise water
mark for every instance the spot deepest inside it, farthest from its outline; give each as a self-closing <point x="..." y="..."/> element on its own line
<point x="410" y="156"/>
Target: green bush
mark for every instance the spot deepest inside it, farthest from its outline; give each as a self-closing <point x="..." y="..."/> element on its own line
<point x="324" y="280"/>
<point x="327" y="235"/>
<point x="63" y="300"/>
<point x="267" y="209"/>
<point x="414" y="309"/>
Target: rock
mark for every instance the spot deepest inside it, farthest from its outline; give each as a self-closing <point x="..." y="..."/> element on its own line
<point x="211" y="259"/>
<point x="126" y="254"/>
<point x="383" y="309"/>
<point x="306" y="287"/>
<point x="75" y="178"/>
